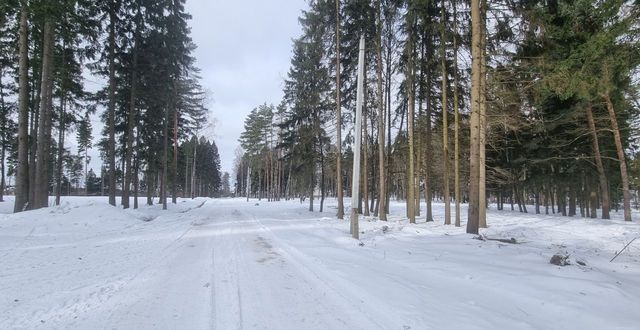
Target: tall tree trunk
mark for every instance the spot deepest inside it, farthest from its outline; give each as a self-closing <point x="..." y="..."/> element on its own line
<point x="322" y="183"/>
<point x="626" y="195"/>
<point x="131" y="124"/>
<point x="593" y="202"/>
<point x="86" y="171"/>
<point x="44" y="133"/>
<point x="3" y="139"/>
<point x="150" y="187"/>
<point x="111" y="148"/>
<point x="602" y="177"/>
<point x="410" y="118"/>
<point x="389" y="177"/>
<point x="428" y="191"/>
<point x="340" y="191"/>
<point x="445" y="120"/>
<point x="136" y="178"/>
<point x="187" y="177"/>
<point x="61" y="134"/>
<point x="312" y="188"/>
<point x="22" y="168"/>
<point x="34" y="128"/>
<point x="482" y="214"/>
<point x="165" y="160"/>
<point x="420" y="152"/>
<point x="365" y="161"/>
<point x="61" y="129"/>
<point x="193" y="168"/>
<point x="572" y="200"/>
<point x="473" y="221"/>
<point x="456" y="112"/>
<point x="174" y="164"/>
<point x="562" y="201"/>
<point x="3" y="183"/>
<point x="382" y="173"/>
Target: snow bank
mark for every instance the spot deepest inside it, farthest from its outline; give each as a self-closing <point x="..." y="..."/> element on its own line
<point x="231" y="264"/>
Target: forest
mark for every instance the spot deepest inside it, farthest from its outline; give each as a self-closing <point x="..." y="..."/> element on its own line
<point x="128" y="62"/>
<point x="533" y="104"/>
<point x="398" y="163"/>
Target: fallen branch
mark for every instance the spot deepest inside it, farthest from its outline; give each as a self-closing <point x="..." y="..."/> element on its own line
<point x="624" y="248"/>
<point x="502" y="240"/>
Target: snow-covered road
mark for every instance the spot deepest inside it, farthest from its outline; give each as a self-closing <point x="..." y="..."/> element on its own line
<point x="232" y="264"/>
<point x="212" y="264"/>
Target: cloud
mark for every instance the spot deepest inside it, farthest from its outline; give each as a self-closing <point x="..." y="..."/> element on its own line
<point x="244" y="51"/>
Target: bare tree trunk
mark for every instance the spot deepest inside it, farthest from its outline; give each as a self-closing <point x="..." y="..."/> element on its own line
<point x="410" y="120"/>
<point x="44" y="133"/>
<point x="445" y="121"/>
<point x="111" y="149"/>
<point x="193" y="168"/>
<point x="365" y="162"/>
<point x="389" y="177"/>
<point x="86" y="171"/>
<point x="4" y="141"/>
<point x="61" y="128"/>
<point x="61" y="134"/>
<point x="33" y="145"/>
<point x="482" y="214"/>
<point x="165" y="161"/>
<point x="382" y="189"/>
<point x="621" y="157"/>
<point x="136" y="178"/>
<point x="187" y="178"/>
<point x="428" y="191"/>
<point x="456" y="112"/>
<point x="22" y="168"/>
<point x="174" y="165"/>
<point x="150" y="187"/>
<point x="312" y="188"/>
<point x="473" y="221"/>
<point x="420" y="152"/>
<point x="34" y="128"/>
<point x="593" y="202"/>
<point x="322" y="183"/>
<point x="602" y="177"/>
<point x="340" y="192"/>
<point x="130" y="127"/>
<point x="572" y="200"/>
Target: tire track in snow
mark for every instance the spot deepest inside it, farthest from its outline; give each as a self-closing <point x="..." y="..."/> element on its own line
<point x="319" y="275"/>
<point x="86" y="301"/>
<point x="273" y="290"/>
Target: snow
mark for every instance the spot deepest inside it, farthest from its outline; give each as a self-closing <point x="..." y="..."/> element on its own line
<point x="232" y="264"/>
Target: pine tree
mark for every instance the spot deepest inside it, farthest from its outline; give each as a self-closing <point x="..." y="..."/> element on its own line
<point x="304" y="137"/>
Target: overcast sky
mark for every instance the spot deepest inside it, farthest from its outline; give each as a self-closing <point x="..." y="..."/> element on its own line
<point x="244" y="51"/>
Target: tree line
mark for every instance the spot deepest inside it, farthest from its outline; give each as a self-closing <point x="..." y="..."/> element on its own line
<point x="137" y="55"/>
<point x="528" y="103"/>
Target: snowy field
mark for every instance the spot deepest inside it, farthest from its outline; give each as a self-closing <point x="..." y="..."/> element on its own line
<point x="232" y="264"/>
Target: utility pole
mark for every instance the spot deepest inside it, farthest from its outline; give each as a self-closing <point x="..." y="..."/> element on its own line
<point x="355" y="186"/>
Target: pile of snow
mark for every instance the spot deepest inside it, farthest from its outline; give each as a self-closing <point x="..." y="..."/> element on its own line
<point x="273" y="265"/>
